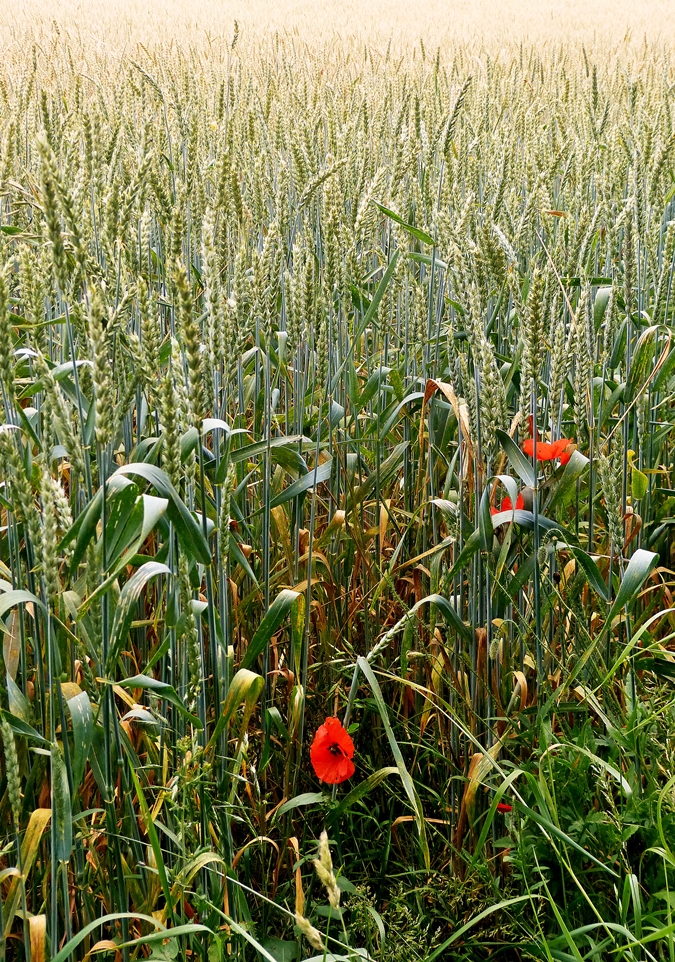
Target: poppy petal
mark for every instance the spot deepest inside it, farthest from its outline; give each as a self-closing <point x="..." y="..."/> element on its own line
<point x="549" y="451"/>
<point x="561" y="445"/>
<point x="564" y="448"/>
<point x="531" y="425"/>
<point x="507" y="504"/>
<point x="545" y="451"/>
<point x="331" y="752"/>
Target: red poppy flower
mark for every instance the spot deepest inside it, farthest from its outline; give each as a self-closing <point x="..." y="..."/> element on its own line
<point x="520" y="503"/>
<point x="331" y="752"/>
<point x="507" y="506"/>
<point x="563" y="452"/>
<point x="549" y="452"/>
<point x="504" y="807"/>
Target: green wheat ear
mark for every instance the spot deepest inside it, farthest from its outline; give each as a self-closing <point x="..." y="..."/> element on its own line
<point x="103" y="392"/>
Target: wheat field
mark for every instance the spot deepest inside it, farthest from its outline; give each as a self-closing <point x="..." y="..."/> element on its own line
<point x="336" y="495"/>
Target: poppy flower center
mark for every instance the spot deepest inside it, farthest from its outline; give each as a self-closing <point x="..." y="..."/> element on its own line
<point x="335" y="749"/>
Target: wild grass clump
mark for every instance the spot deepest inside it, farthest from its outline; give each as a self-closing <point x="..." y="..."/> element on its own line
<point x="336" y="387"/>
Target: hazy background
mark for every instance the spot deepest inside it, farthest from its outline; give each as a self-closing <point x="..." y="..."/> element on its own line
<point x="437" y="22"/>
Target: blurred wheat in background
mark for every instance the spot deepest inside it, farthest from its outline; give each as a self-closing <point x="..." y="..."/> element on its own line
<point x="336" y="495"/>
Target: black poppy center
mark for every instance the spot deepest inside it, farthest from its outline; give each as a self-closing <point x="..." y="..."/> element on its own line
<point x="335" y="749"/>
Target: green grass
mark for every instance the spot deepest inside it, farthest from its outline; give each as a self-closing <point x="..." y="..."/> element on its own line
<point x="272" y="328"/>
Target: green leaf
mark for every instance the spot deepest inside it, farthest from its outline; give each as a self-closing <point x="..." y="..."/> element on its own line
<point x="16" y="700"/>
<point x="250" y="939"/>
<point x="146" y="514"/>
<point x="487" y="824"/>
<point x="368" y="318"/>
<point x="517" y="459"/>
<point x="119" y="509"/>
<point x="639" y="567"/>
<point x="546" y="823"/>
<point x="154" y="840"/>
<point x="485" y="528"/>
<point x="217" y="424"/>
<point x="84" y="527"/>
<point x="398" y="758"/>
<point x="426" y="259"/>
<point x="485" y="516"/>
<point x="300" y="801"/>
<point x="471" y="546"/>
<point x="310" y="480"/>
<point x="165" y="691"/>
<point x="363" y="788"/>
<point x="662" y="667"/>
<point x="592" y="573"/>
<point x="387" y="468"/>
<point x="245" y="689"/>
<point x="421" y="235"/>
<point x="609" y="404"/>
<point x="600" y="305"/>
<point x="458" y="933"/>
<point x="189" y="532"/>
<point x="188" y="443"/>
<point x="521" y="577"/>
<point x="397" y="410"/>
<point x="288" y="445"/>
<point x="126" y="605"/>
<point x="282" y="950"/>
<point x="370" y="314"/>
<point x="337" y="413"/>
<point x="18" y="597"/>
<point x="448" y="610"/>
<point x="567" y="935"/>
<point x="241" y="559"/>
<point x="83" y="731"/>
<point x="446" y="607"/>
<point x="22" y="728"/>
<point x="276" y="612"/>
<point x="377" y="919"/>
<point x="574" y="468"/>
<point x="642" y="360"/>
<point x="352" y="385"/>
<point x="177" y="932"/>
<point x="97" y="761"/>
<point x="372" y="386"/>
<point x="526" y="520"/>
<point x="639" y="483"/>
<point x="62" y="818"/>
